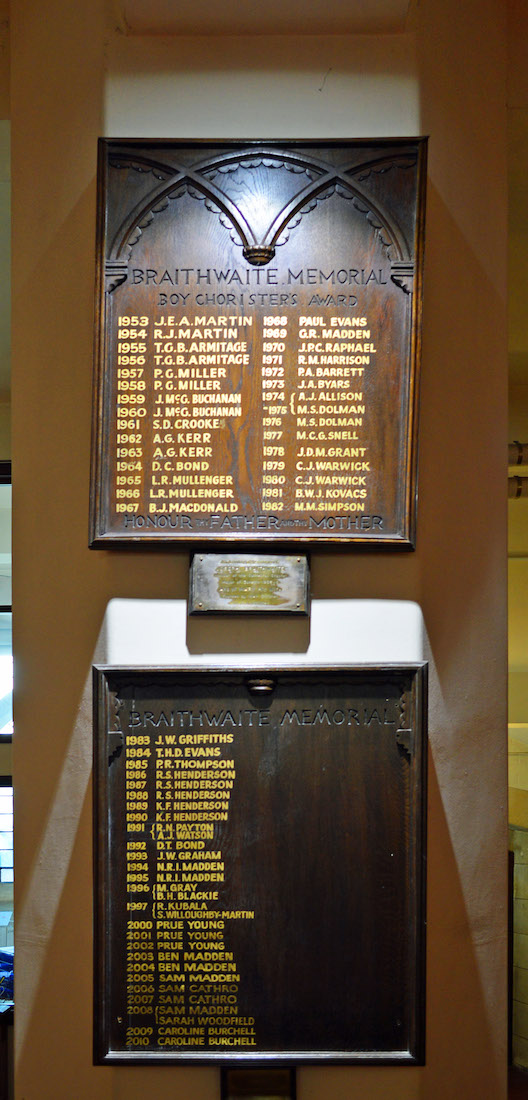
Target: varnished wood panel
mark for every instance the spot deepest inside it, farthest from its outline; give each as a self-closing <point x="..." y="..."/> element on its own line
<point x="258" y="329"/>
<point x="260" y="872"/>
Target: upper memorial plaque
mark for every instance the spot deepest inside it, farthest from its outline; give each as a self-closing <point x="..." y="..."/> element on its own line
<point x="258" y="340"/>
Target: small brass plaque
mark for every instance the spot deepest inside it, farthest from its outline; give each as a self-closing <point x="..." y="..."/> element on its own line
<point x="249" y="582"/>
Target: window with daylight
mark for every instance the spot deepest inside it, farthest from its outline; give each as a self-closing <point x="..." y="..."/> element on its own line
<point x="6" y="862"/>
<point x="6" y="650"/>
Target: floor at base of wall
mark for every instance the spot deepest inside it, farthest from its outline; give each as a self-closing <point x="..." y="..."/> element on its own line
<point x="517" y="1084"/>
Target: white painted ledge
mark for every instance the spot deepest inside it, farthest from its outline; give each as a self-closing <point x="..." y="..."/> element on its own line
<point x="158" y="632"/>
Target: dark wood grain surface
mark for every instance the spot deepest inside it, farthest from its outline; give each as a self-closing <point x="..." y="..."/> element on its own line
<point x="258" y="321"/>
<point x="275" y="852"/>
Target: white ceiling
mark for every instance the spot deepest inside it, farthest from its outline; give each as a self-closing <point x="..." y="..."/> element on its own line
<point x="259" y="17"/>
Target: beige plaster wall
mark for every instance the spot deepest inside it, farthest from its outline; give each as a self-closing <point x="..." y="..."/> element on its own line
<point x="4" y="59"/>
<point x="5" y="229"/>
<point x="518" y="411"/>
<point x="448" y="80"/>
<point x="5" y="281"/>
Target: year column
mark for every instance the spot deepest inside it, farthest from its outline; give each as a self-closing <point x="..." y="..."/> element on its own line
<point x="274" y="409"/>
<point x="131" y="410"/>
<point x="140" y="958"/>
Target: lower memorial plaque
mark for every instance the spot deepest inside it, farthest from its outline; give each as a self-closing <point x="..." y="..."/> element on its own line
<point x="260" y="865"/>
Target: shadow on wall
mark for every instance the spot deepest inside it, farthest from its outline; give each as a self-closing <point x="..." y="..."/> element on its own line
<point x="519" y="846"/>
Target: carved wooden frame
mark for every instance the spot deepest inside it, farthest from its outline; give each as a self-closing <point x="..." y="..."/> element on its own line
<point x="201" y="179"/>
<point x="409" y="770"/>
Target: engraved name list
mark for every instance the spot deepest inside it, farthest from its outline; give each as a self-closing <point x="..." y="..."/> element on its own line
<point x="225" y="927"/>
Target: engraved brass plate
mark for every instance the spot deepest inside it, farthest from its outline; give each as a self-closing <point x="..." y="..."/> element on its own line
<point x="258" y="336"/>
<point x="249" y="582"/>
<point x="260" y="865"/>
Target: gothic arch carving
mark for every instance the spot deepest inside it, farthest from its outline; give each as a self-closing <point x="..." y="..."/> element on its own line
<point x="324" y="180"/>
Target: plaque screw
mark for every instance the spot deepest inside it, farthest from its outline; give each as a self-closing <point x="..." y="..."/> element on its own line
<point x="200" y="605"/>
<point x="260" y="687"/>
<point x="120" y="1019"/>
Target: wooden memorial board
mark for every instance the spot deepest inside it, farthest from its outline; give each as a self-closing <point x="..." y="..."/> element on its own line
<point x="260" y="865"/>
<point x="258" y="320"/>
